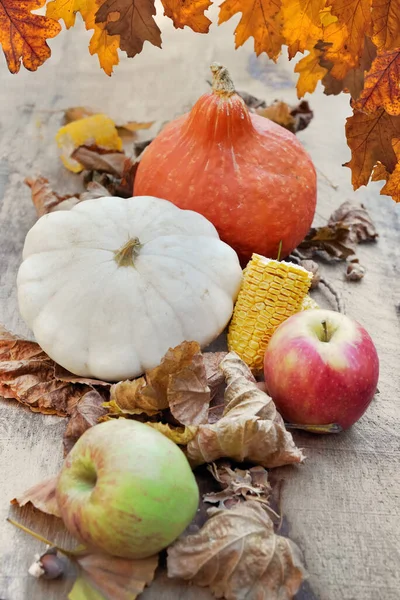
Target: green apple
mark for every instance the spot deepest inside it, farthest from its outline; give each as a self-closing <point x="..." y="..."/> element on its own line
<point x="126" y="489"/>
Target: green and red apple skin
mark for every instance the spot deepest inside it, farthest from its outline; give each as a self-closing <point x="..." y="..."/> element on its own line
<point x="127" y="490"/>
<point x="318" y="377"/>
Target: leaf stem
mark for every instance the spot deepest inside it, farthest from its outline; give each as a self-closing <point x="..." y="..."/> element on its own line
<point x="38" y="537"/>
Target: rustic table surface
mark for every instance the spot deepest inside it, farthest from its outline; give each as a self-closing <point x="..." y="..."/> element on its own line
<point x="342" y="507"/>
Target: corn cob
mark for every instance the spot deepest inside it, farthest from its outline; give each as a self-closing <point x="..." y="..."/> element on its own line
<point x="271" y="292"/>
<point x="97" y="129"/>
<point x="308" y="304"/>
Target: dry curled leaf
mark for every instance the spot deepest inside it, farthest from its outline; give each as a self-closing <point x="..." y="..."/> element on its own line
<point x="214" y="375"/>
<point x="23" y="35"/>
<point x="105" y="577"/>
<point x="42" y="496"/>
<point x="95" y="158"/>
<point x="238" y="485"/>
<point x="27" y="374"/>
<point x="179" y="435"/>
<point x="357" y="219"/>
<point x="250" y="429"/>
<point x="45" y="199"/>
<point x="237" y="555"/>
<point x="85" y="414"/>
<point x="178" y="383"/>
<point x="293" y="118"/>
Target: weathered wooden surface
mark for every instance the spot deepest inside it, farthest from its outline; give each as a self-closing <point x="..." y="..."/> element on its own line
<point x="343" y="506"/>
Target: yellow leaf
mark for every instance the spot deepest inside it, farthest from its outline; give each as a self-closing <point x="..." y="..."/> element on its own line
<point x="188" y="13"/>
<point x="179" y="435"/>
<point x="23" y="35"/>
<point x="381" y="87"/>
<point x="261" y="19"/>
<point x="310" y="72"/>
<point x="302" y="24"/>
<point x="386" y="27"/>
<point x="67" y="9"/>
<point x="96" y="130"/>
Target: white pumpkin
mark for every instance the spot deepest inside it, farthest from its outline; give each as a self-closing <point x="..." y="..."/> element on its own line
<point x="110" y="285"/>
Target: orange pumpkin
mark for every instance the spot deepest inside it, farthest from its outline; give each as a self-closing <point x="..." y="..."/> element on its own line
<point x="250" y="177"/>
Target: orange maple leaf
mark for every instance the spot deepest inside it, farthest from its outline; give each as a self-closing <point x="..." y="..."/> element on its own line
<point x="104" y="45"/>
<point x="346" y="36"/>
<point x="381" y="87"/>
<point x="386" y="27"/>
<point x="301" y="24"/>
<point x="23" y="35"/>
<point x="133" y="21"/>
<point x="310" y="72"/>
<point x="261" y="19"/>
<point x="392" y="186"/>
<point x="369" y="137"/>
<point x="188" y="13"/>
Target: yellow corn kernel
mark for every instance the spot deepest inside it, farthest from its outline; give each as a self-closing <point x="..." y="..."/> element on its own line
<point x="271" y="292"/>
<point x="308" y="304"/>
<point x="96" y="130"/>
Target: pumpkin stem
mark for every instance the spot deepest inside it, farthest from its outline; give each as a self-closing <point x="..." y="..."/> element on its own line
<point x="125" y="256"/>
<point x="222" y="83"/>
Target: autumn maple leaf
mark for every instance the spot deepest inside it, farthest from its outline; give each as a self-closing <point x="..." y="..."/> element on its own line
<point x="23" y="35"/>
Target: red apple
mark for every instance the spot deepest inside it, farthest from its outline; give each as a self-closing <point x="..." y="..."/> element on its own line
<point x="321" y="367"/>
<point x="126" y="489"/>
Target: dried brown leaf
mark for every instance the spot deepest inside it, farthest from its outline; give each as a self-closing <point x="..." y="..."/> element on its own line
<point x="94" y="189"/>
<point x="27" y="374"/>
<point x="239" y="484"/>
<point x="42" y="496"/>
<point x="250" y="429"/>
<point x="95" y="158"/>
<point x="125" y="187"/>
<point x="214" y="375"/>
<point x="179" y="435"/>
<point x="85" y="414"/>
<point x="356" y="217"/>
<point x="45" y="199"/>
<point x="78" y="112"/>
<point x="134" y="398"/>
<point x="251" y="101"/>
<point x="108" y="577"/>
<point x="188" y="393"/>
<point x="294" y="118"/>
<point x="238" y="555"/>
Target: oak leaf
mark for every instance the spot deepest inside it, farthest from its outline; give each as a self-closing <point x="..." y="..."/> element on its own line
<point x="23" y="35"/>
<point x="133" y="21"/>
<point x="238" y="555"/>
<point x="27" y="375"/>
<point x="188" y="13"/>
<point x="238" y="485"/>
<point x="42" y="496"/>
<point x="381" y="87"/>
<point x="369" y="137"/>
<point x="310" y="72"/>
<point x="250" y="429"/>
<point x="105" y="577"/>
<point x="385" y="17"/>
<point x="261" y="19"/>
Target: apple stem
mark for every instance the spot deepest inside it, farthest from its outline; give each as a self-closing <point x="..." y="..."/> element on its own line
<point x="39" y="537"/>
<point x="323" y="323"/>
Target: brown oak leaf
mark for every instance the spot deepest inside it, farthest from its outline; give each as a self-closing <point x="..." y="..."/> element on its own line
<point x="357" y="218"/>
<point x="42" y="496"/>
<point x="369" y="137"/>
<point x="45" y="199"/>
<point x="238" y="555"/>
<point x="27" y="375"/>
<point x="23" y="34"/>
<point x="188" y="13"/>
<point x="104" y="577"/>
<point x="250" y="429"/>
<point x="381" y="87"/>
<point x="133" y="21"/>
<point x="238" y="485"/>
<point x="85" y="414"/>
<point x="261" y="19"/>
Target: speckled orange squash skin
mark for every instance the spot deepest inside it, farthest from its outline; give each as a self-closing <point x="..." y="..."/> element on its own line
<point x="250" y="177"/>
